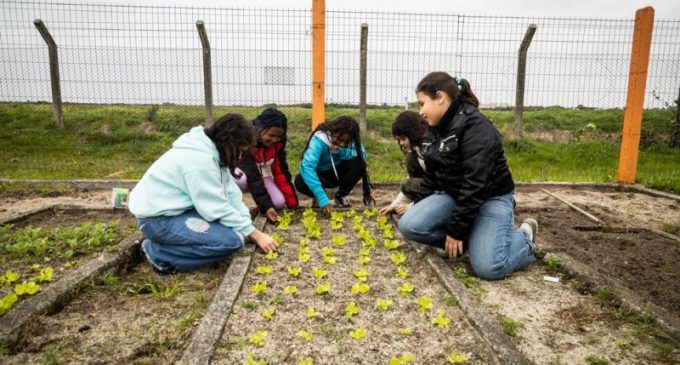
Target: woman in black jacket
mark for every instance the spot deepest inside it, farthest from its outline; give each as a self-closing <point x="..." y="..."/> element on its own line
<point x="466" y="199"/>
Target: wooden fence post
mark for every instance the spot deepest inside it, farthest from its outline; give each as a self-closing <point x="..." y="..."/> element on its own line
<point x="362" y="76"/>
<point x="637" y="82"/>
<point x="521" y="76"/>
<point x="207" y="72"/>
<point x="54" y="73"/>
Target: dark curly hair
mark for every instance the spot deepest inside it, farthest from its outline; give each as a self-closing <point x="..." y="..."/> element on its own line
<point x="231" y="133"/>
<point x="411" y="125"/>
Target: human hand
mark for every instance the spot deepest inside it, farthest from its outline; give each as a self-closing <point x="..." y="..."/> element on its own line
<point x="386" y="210"/>
<point x="264" y="241"/>
<point x="271" y="214"/>
<point x="401" y="208"/>
<point x="454" y="247"/>
<point x="327" y="209"/>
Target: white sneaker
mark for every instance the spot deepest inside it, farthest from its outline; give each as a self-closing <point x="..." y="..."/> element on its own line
<point x="530" y="226"/>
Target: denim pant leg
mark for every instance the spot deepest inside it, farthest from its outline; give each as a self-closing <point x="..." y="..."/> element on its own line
<point x="425" y="222"/>
<point x="187" y="241"/>
<point x="495" y="248"/>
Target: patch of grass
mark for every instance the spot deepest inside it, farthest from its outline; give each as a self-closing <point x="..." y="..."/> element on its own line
<point x="188" y="321"/>
<point x="553" y="263"/>
<point x="470" y="282"/>
<point x="596" y="360"/>
<point x="451" y="301"/>
<point x="671" y="228"/>
<point x="276" y="300"/>
<point x="510" y="326"/>
<point x="626" y="345"/>
<point x="108" y="279"/>
<point x="605" y="295"/>
<point x="249" y="304"/>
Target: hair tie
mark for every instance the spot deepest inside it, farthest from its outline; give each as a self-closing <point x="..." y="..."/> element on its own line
<point x="460" y="82"/>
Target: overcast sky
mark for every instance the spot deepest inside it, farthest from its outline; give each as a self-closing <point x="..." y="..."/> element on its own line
<point x="664" y="9"/>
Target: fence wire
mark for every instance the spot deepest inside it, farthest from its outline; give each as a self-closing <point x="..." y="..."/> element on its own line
<point x="152" y="55"/>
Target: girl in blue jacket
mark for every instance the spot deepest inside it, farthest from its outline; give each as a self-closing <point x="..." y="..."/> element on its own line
<point x="187" y="204"/>
<point x="334" y="158"/>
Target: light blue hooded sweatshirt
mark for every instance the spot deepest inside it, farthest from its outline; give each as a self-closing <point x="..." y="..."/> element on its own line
<point x="189" y="176"/>
<point x="318" y="157"/>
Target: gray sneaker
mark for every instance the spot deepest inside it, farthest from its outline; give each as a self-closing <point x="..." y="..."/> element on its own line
<point x="342" y="202"/>
<point x="531" y="226"/>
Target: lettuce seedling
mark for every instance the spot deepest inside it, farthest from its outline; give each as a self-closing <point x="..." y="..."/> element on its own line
<point x="424" y="304"/>
<point x="398" y="258"/>
<point x="360" y="288"/>
<point x="336" y="225"/>
<point x="269" y="312"/>
<point x="319" y="273"/>
<point x="366" y="251"/>
<point x="304" y="241"/>
<point x="391" y="244"/>
<point x="304" y="250"/>
<point x="383" y="304"/>
<point x="368" y="213"/>
<point x="314" y="233"/>
<point x="271" y="255"/>
<point x="351" y="309"/>
<point x="405" y="289"/>
<point x="358" y="334"/>
<point x="330" y="260"/>
<point x="402" y="272"/>
<point x="294" y="271"/>
<point x="441" y="320"/>
<point x="351" y="213"/>
<point x="361" y="274"/>
<point x="382" y="220"/>
<point x="259" y="287"/>
<point x="405" y="331"/>
<point x="456" y="358"/>
<point x="307" y="361"/>
<point x="7" y="302"/>
<point x="311" y="312"/>
<point x="277" y="238"/>
<point x="258" y="337"/>
<point x="251" y="361"/>
<point x="405" y="359"/>
<point x="338" y="239"/>
<point x="264" y="270"/>
<point x="9" y="277"/>
<point x="327" y="251"/>
<point x="304" y="258"/>
<point x="26" y="288"/>
<point x="305" y="335"/>
<point x="44" y="276"/>
<point x="364" y="260"/>
<point x="324" y="288"/>
<point x="388" y="233"/>
<point x="290" y="290"/>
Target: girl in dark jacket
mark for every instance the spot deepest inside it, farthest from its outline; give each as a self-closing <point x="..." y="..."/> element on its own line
<point x="466" y="199"/>
<point x="265" y="169"/>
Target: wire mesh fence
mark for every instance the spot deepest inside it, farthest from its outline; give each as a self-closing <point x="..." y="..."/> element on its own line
<point x="152" y="55"/>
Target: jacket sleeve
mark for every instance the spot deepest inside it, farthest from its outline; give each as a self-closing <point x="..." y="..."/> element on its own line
<point x="310" y="160"/>
<point x="477" y="149"/>
<point x="282" y="177"/>
<point x="428" y="186"/>
<point x="255" y="182"/>
<point x="207" y="192"/>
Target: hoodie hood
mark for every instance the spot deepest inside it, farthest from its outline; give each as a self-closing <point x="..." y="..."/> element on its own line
<point x="197" y="140"/>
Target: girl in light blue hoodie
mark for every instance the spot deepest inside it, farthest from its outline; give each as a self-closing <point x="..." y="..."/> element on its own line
<point x="187" y="204"/>
<point x="334" y="158"/>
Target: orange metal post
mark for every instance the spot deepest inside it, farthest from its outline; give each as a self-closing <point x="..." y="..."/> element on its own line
<point x="637" y="82"/>
<point x="318" y="62"/>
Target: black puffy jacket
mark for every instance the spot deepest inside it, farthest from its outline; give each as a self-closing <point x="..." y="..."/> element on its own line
<point x="464" y="157"/>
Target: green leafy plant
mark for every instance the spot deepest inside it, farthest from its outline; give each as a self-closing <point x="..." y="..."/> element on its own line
<point x="305" y="361"/>
<point x="305" y="335"/>
<point x="259" y="287"/>
<point x="257" y="338"/>
<point x="368" y="213"/>
<point x="391" y="244"/>
<point x="290" y="290"/>
<point x="312" y="312"/>
<point x="338" y="239"/>
<point x="404" y="359"/>
<point x="26" y="288"/>
<point x="7" y="302"/>
<point x="398" y="258"/>
<point x="278" y="239"/>
<point x="441" y="320"/>
<point x="364" y="260"/>
<point x="596" y="360"/>
<point x="405" y="331"/>
<point x="269" y="312"/>
<point x="10" y="277"/>
<point x="319" y="273"/>
<point x="383" y="304"/>
<point x="402" y="272"/>
<point x="510" y="326"/>
<point x="272" y="255"/>
<point x="351" y="309"/>
<point x="294" y="271"/>
<point x="358" y="334"/>
<point x="424" y="304"/>
<point x="360" y="288"/>
<point x="405" y="289"/>
<point x="456" y="358"/>
<point x="322" y="289"/>
<point x="553" y="263"/>
<point x="264" y="270"/>
<point x="251" y="361"/>
<point x="361" y="274"/>
<point x="330" y="260"/>
<point x="44" y="276"/>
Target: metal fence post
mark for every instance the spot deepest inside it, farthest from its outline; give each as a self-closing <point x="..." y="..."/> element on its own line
<point x="207" y="72"/>
<point x="54" y="72"/>
<point x="521" y="76"/>
<point x="318" y="62"/>
<point x="362" y="77"/>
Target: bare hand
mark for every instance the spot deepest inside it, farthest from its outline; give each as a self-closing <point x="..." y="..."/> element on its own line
<point x="386" y="210"/>
<point x="326" y="210"/>
<point x="454" y="247"/>
<point x="271" y="214"/>
<point x="264" y="241"/>
<point x="401" y="208"/>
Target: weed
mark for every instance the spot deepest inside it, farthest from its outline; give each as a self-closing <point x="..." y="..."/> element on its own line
<point x="187" y="321"/>
<point x="108" y="279"/>
<point x="249" y="304"/>
<point x="671" y="228"/>
<point x="625" y="345"/>
<point x="553" y="263"/>
<point x="451" y="301"/>
<point x="471" y="283"/>
<point x="276" y="300"/>
<point x="510" y="326"/>
<point x="596" y="360"/>
<point x="605" y="295"/>
<point x="664" y="349"/>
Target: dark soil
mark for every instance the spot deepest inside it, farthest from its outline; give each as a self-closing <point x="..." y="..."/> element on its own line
<point x="76" y="217"/>
<point x="643" y="261"/>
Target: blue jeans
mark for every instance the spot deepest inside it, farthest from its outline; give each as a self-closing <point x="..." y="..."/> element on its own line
<point x="495" y="248"/>
<point x="186" y="241"/>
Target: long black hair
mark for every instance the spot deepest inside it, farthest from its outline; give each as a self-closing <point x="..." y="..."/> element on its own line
<point x="230" y="134"/>
<point x="349" y="125"/>
<point x="441" y="81"/>
<point x="411" y="125"/>
<point x="270" y="118"/>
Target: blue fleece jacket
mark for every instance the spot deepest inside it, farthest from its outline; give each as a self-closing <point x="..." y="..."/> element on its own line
<point x="318" y="157"/>
<point x="189" y="176"/>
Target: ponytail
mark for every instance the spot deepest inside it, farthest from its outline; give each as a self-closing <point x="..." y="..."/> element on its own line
<point x="441" y="81"/>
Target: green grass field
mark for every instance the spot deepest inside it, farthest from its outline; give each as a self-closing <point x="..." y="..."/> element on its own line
<point x="121" y="141"/>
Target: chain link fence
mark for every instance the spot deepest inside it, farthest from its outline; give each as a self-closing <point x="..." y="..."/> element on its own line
<point x="152" y="55"/>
